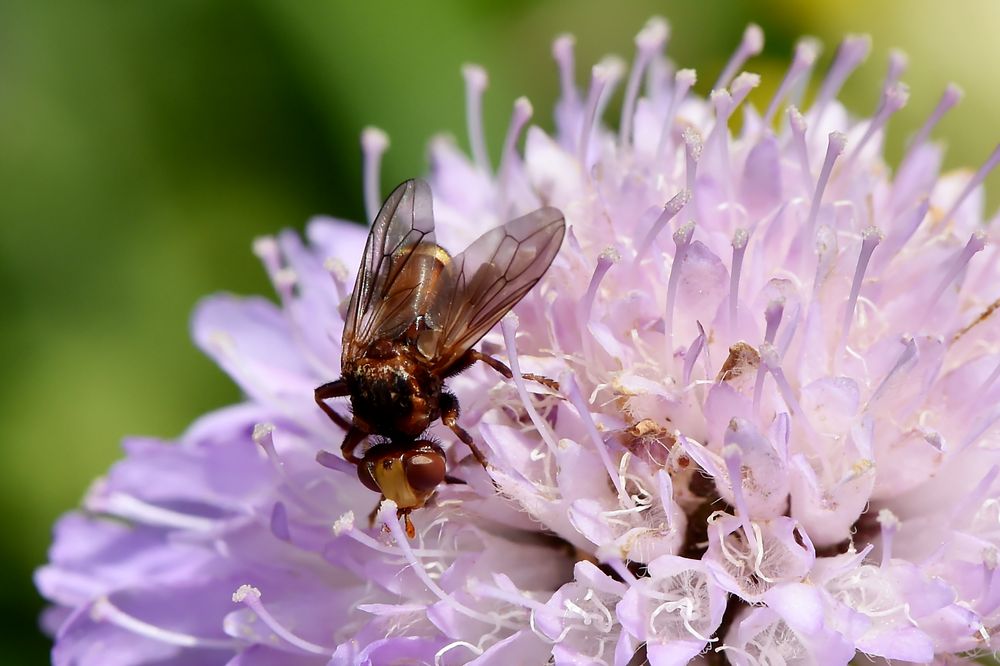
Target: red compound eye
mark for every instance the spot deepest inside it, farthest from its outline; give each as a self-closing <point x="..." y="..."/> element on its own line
<point x="365" y="474"/>
<point x="424" y="469"/>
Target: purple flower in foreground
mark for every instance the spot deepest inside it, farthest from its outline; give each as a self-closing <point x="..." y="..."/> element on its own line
<point x="775" y="440"/>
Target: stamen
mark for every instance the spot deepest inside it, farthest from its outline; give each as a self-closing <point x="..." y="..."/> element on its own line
<point x="374" y="143"/>
<point x="279" y="522"/>
<point x="602" y="77"/>
<point x="870" y="239"/>
<point x="576" y="398"/>
<point x="522" y="114"/>
<point x="666" y="488"/>
<point x="733" y="456"/>
<point x="769" y="358"/>
<point x="975" y="244"/>
<point x="893" y="99"/>
<point x="509" y="327"/>
<point x="806" y="52"/>
<point x="682" y="240"/>
<point x="387" y="516"/>
<point x="132" y="508"/>
<point x="102" y="610"/>
<point x="605" y="260"/>
<point x="648" y="43"/>
<point x="692" y="152"/>
<point x="619" y="568"/>
<point x="751" y="44"/>
<point x="691" y="355"/>
<point x="909" y="351"/>
<point x="250" y="597"/>
<point x="670" y="210"/>
<point x="898" y="62"/>
<point x="975" y="182"/>
<point x="798" y="126"/>
<point x="772" y="318"/>
<point x="890" y="525"/>
<point x="267" y="250"/>
<point x="902" y="231"/>
<point x="835" y="146"/>
<point x="726" y="103"/>
<point x="704" y="458"/>
<point x="562" y="51"/>
<point x="476" y="82"/>
<point x="951" y="96"/>
<point x="740" y="239"/>
<point x="852" y="52"/>
<point x="683" y="81"/>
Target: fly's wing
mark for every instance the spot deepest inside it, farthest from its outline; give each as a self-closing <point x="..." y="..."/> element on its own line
<point x="382" y="306"/>
<point x="489" y="278"/>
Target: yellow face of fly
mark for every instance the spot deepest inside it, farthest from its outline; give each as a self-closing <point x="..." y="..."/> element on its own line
<point x="390" y="475"/>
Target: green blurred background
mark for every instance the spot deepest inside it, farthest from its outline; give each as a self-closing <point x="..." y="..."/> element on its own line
<point x="143" y="145"/>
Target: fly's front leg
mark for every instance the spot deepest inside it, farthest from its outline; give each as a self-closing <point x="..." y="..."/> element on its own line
<point x="474" y="355"/>
<point x="351" y="440"/>
<point x="449" y="417"/>
<point x="336" y="389"/>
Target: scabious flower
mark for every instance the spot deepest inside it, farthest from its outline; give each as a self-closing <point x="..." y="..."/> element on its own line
<point x="775" y="439"/>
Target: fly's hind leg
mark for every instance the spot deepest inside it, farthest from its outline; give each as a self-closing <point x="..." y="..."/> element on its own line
<point x="499" y="366"/>
<point x="449" y="416"/>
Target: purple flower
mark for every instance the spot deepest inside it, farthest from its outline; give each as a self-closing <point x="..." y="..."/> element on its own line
<point x="775" y="439"/>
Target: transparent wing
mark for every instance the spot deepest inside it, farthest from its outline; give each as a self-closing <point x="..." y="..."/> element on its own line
<point x="489" y="278"/>
<point x="381" y="304"/>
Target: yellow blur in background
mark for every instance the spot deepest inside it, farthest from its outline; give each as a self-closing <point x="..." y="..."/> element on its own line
<point x="144" y="145"/>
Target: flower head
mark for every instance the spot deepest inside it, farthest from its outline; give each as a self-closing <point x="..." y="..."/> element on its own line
<point x="775" y="437"/>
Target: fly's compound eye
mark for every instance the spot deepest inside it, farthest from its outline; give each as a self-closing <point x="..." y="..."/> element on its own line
<point x="424" y="469"/>
<point x="366" y="476"/>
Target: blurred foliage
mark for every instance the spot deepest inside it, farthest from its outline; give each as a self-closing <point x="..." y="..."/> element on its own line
<point x="144" y="145"/>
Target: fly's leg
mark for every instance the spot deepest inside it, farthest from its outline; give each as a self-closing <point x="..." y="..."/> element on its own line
<point x="351" y="440"/>
<point x="335" y="389"/>
<point x="474" y="355"/>
<point x="449" y="417"/>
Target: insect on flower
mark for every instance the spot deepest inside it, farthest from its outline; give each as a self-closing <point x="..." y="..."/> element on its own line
<point x="413" y="318"/>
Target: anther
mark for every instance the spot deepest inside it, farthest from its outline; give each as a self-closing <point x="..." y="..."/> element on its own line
<point x="670" y="211"/>
<point x="751" y="44"/>
<point x="806" y="52"/>
<point x="648" y="43"/>
<point x="683" y="81"/>
<point x="374" y="143"/>
<point x="476" y="81"/>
